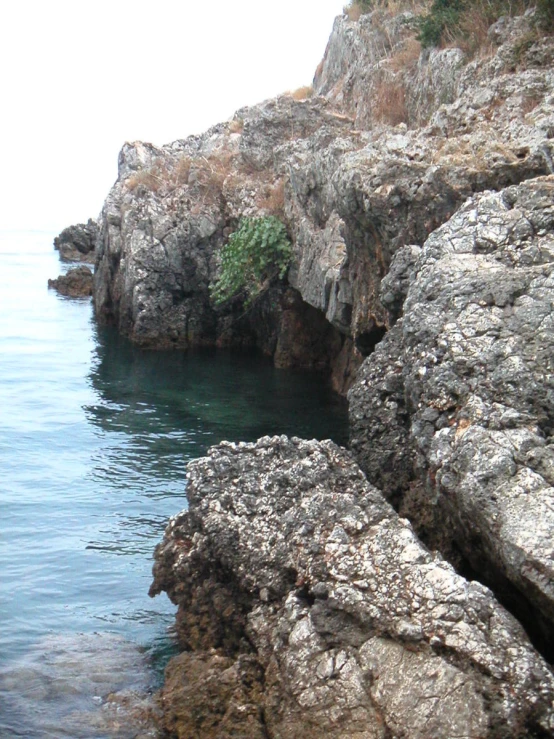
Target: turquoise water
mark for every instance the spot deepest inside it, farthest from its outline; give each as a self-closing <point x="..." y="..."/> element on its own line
<point x="94" y="438"/>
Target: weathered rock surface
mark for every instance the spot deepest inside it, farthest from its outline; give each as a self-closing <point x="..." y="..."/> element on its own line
<point x="459" y="400"/>
<point x="77" y="243"/>
<point x="75" y="283"/>
<point x="355" y="174"/>
<point x="313" y="609"/>
<point x="170" y="213"/>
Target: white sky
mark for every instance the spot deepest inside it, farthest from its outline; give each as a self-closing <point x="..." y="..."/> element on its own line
<point x="79" y="78"/>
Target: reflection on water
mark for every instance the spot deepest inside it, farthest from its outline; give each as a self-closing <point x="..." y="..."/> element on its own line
<point x="94" y="440"/>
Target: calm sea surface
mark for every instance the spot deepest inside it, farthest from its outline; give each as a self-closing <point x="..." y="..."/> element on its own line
<point x="94" y="438"/>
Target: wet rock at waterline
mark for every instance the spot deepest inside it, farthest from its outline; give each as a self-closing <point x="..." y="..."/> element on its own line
<point x="77" y="243"/>
<point x="76" y="283"/>
<point x="309" y="608"/>
<point x="79" y="686"/>
<point x="452" y="416"/>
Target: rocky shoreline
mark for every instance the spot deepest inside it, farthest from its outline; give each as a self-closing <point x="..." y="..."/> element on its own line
<point x="403" y="588"/>
<point x="306" y="605"/>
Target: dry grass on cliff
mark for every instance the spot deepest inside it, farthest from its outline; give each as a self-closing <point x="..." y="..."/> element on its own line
<point x="153" y="178"/>
<point x="354" y="11"/>
<point x="301" y="93"/>
<point x="206" y="173"/>
<point x="181" y="172"/>
<point x="406" y="56"/>
<point x="272" y="198"/>
<point x="236" y="125"/>
<point x="389" y="104"/>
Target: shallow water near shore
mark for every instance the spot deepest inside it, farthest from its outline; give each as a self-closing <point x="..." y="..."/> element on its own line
<point x="94" y="438"/>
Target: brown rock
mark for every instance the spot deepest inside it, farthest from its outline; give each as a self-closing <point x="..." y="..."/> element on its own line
<point x="76" y="283"/>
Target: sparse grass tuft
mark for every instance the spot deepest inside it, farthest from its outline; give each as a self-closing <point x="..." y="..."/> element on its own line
<point x="272" y="198"/>
<point x="406" y="56"/>
<point x="390" y="103"/>
<point x="236" y="125"/>
<point x="182" y="169"/>
<point x="302" y="93"/>
<point x="354" y="11"/>
<point x="151" y="179"/>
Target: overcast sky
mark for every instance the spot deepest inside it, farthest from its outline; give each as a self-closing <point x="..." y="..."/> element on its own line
<point x="79" y="78"/>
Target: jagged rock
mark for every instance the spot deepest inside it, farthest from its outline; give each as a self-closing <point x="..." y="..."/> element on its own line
<point x="77" y="243"/>
<point x="296" y="571"/>
<point x="168" y="216"/>
<point x="352" y="188"/>
<point x="373" y="70"/>
<point x="465" y="392"/>
<point x="75" y="283"/>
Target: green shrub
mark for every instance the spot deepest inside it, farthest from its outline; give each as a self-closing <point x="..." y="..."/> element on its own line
<point x="443" y="14"/>
<point x="545" y="15"/>
<point x="466" y="22"/>
<point x="257" y="252"/>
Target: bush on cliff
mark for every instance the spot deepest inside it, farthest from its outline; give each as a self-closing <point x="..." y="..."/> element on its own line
<point x="465" y="22"/>
<point x="257" y="252"/>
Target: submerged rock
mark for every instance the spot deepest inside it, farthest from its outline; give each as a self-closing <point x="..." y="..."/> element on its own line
<point x="80" y="686"/>
<point x="77" y="243"/>
<point x="76" y="283"/>
<point x="310" y="608"/>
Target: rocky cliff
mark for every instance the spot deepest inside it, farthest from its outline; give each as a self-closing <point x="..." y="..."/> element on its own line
<point x="417" y="189"/>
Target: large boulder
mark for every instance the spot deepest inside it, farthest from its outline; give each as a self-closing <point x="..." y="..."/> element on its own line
<point x="309" y="608"/>
<point x="453" y="415"/>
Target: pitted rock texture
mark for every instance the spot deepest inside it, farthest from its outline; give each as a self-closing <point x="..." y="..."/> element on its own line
<point x="353" y="180"/>
<point x="465" y="392"/>
<point x="77" y="243"/>
<point x="289" y="559"/>
<point x="75" y="283"/>
<point x="170" y="213"/>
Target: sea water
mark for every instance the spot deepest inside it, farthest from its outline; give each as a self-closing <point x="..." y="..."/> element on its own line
<point x="95" y="435"/>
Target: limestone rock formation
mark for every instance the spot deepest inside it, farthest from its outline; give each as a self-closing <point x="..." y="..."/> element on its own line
<point x="75" y="283"/>
<point x="457" y="405"/>
<point x="417" y="188"/>
<point x="167" y="218"/>
<point x="77" y="243"/>
<point x="309" y="608"/>
<point x="356" y="172"/>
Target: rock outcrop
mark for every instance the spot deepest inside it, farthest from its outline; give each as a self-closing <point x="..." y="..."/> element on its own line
<point x="75" y="283"/>
<point x="77" y="243"/>
<point x="309" y="608"/>
<point x="355" y="172"/>
<point x="456" y="407"/>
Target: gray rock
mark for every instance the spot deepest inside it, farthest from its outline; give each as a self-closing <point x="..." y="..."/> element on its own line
<point x="474" y="400"/>
<point x="77" y="243"/>
<point x="351" y="187"/>
<point x="288" y="555"/>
